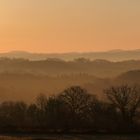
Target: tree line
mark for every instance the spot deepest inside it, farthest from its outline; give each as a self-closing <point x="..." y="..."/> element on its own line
<point x="75" y="111"/>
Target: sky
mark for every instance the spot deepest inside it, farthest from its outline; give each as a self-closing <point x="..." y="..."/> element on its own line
<point x="58" y="26"/>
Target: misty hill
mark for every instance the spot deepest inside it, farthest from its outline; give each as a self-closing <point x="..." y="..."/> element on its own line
<point x="27" y="86"/>
<point x="56" y="67"/>
<point x="114" y="55"/>
<point x="130" y="77"/>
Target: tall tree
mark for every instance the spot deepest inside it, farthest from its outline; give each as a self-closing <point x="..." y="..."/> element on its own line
<point x="126" y="99"/>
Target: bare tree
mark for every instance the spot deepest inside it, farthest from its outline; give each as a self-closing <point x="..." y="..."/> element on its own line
<point x="76" y="98"/>
<point x="126" y="99"/>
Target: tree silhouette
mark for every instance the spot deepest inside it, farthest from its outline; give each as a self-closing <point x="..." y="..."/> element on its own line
<point x="126" y="99"/>
<point x="56" y="113"/>
<point x="78" y="101"/>
<point x="75" y="110"/>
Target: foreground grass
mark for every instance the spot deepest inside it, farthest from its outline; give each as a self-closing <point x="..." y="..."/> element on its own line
<point x="14" y="138"/>
<point x="68" y="137"/>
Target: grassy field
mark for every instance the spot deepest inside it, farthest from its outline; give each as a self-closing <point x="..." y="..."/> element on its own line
<point x="106" y="137"/>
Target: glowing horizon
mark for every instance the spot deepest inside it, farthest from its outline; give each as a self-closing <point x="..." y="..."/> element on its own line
<point x="53" y="26"/>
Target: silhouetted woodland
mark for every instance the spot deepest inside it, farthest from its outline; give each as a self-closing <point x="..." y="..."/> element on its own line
<point x="75" y="111"/>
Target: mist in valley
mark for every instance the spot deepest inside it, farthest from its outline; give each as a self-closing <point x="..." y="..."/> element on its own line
<point x="23" y="79"/>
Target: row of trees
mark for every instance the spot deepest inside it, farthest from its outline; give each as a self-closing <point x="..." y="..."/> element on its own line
<point x="75" y="110"/>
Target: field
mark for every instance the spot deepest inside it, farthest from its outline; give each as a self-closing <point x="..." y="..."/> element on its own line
<point x="75" y="137"/>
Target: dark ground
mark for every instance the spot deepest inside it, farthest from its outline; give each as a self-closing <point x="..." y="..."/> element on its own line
<point x="72" y="137"/>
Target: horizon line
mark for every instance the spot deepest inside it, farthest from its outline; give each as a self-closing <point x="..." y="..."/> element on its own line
<point x="78" y="52"/>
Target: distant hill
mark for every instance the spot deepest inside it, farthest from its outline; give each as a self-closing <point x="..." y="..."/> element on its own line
<point x="114" y="55"/>
<point x="23" y="79"/>
<point x="130" y="77"/>
<point x="56" y="67"/>
<point x="27" y="86"/>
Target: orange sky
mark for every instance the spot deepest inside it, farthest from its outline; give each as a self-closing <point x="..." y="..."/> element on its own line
<point x="69" y="25"/>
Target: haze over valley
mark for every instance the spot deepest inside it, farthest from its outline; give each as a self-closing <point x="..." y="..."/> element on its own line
<point x="20" y="77"/>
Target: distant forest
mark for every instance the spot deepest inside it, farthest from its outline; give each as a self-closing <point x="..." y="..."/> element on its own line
<point x="74" y="110"/>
